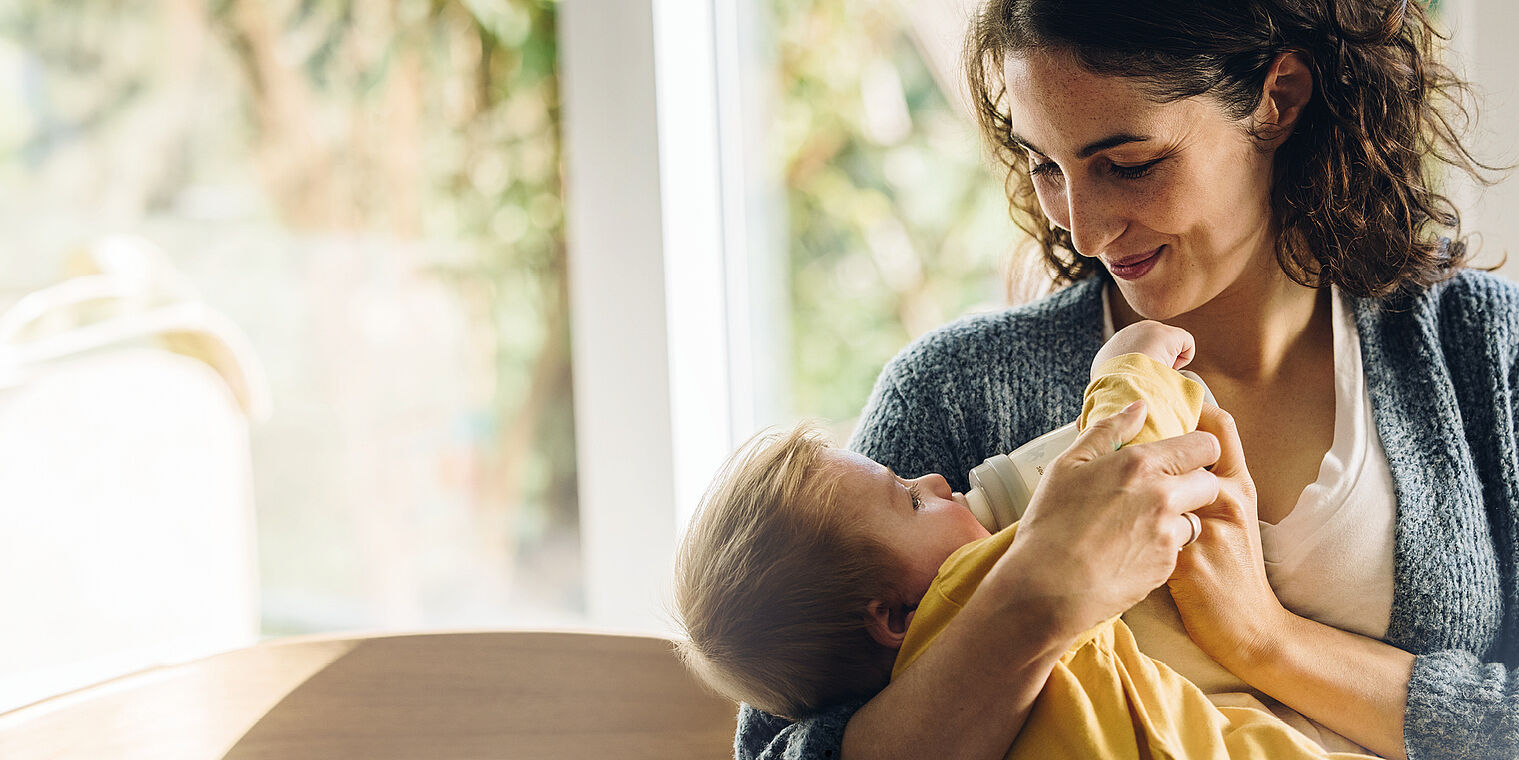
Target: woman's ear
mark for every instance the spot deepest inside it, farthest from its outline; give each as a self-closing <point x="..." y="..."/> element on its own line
<point x="1286" y="92"/>
<point x="887" y="622"/>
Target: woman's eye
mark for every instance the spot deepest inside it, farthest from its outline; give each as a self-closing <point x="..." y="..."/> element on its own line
<point x="1132" y="172"/>
<point x="1044" y="169"/>
<point x="1049" y="169"/>
<point x="917" y="498"/>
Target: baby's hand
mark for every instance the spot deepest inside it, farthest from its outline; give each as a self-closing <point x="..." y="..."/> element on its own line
<point x="1168" y="345"/>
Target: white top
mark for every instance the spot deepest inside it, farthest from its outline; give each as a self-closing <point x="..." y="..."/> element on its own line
<point x="1330" y="559"/>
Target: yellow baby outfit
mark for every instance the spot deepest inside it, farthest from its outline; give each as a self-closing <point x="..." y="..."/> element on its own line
<point x="1106" y="699"/>
<point x="1173" y="402"/>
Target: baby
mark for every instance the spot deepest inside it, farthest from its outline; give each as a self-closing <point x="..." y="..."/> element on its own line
<point x="806" y="564"/>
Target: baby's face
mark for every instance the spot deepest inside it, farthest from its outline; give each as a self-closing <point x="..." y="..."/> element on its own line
<point x="922" y="530"/>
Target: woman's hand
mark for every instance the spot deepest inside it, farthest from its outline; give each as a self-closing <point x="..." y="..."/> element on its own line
<point x="1220" y="584"/>
<point x="1354" y="685"/>
<point x="1103" y="527"/>
<point x="1100" y="533"/>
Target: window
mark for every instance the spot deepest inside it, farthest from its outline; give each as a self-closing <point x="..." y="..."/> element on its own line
<point x="370" y="193"/>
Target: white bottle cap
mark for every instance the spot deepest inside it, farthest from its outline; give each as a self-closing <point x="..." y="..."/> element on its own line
<point x="975" y="498"/>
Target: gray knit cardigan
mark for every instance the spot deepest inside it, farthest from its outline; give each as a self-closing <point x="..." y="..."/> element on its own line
<point x="1439" y="371"/>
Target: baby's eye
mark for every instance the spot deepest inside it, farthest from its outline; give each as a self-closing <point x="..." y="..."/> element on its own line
<point x="917" y="498"/>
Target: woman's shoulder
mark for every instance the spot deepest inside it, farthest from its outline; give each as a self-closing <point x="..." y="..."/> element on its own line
<point x="1470" y="312"/>
<point x="1470" y="303"/>
<point x="1478" y="286"/>
<point x="982" y="384"/>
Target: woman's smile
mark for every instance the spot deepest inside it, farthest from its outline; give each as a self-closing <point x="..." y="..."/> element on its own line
<point x="1134" y="267"/>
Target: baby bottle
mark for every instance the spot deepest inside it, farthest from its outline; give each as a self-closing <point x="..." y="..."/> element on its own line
<point x="1000" y="487"/>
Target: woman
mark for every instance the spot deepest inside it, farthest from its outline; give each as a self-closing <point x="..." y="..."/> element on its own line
<point x="1253" y="171"/>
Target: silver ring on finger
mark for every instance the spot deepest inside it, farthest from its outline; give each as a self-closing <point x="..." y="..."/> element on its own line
<point x="1196" y="524"/>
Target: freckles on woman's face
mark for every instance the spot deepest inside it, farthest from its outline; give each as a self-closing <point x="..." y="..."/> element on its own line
<point x="1173" y="198"/>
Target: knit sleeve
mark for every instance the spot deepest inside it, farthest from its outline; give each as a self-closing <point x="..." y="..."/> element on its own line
<point x="762" y="736"/>
<point x="1461" y="709"/>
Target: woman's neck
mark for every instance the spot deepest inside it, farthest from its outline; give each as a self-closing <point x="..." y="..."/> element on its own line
<point x="1249" y="334"/>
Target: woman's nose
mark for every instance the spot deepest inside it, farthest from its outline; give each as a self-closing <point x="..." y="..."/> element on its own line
<point x="1093" y="216"/>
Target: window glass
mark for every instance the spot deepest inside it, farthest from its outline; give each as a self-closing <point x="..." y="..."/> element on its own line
<point x="897" y="224"/>
<point x="370" y="191"/>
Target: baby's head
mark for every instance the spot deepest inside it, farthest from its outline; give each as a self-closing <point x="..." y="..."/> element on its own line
<point x="799" y="574"/>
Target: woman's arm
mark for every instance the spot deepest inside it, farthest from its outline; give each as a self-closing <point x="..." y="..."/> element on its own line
<point x="1100" y="533"/>
<point x="1354" y="685"/>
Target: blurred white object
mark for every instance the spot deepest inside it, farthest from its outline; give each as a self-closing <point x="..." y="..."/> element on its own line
<point x="125" y="476"/>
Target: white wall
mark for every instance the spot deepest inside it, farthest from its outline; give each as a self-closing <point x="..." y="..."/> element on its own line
<point x="1484" y="43"/>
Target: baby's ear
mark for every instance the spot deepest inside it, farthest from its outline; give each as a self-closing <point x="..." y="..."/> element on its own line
<point x="887" y="622"/>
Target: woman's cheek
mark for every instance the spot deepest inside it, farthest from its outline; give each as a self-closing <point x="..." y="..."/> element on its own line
<point x="1162" y="208"/>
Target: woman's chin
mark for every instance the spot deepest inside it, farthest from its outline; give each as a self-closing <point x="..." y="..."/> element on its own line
<point x="1146" y="303"/>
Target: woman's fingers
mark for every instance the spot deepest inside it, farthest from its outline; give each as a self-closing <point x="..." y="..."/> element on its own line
<point x="1231" y="456"/>
<point x="1108" y="434"/>
<point x="1230" y="467"/>
<point x="1189" y="529"/>
<point x="1184" y="453"/>
<point x="1190" y="491"/>
<point x="1130" y="508"/>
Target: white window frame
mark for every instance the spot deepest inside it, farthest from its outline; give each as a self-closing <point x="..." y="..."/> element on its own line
<point x="665" y="275"/>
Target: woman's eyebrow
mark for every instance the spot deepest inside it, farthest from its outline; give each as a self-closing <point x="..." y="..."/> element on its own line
<point x="1092" y="148"/>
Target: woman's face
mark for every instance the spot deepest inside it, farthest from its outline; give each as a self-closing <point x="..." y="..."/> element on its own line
<point x="1172" y="198"/>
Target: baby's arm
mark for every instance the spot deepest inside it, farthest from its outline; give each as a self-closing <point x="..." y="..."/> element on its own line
<point x="1171" y="346"/>
<point x="1140" y="362"/>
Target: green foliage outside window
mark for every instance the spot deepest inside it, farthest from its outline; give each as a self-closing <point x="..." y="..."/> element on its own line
<point x="896" y="224"/>
<point x="405" y="145"/>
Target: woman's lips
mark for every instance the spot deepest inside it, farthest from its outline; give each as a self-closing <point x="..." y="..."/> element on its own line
<point x="1135" y="267"/>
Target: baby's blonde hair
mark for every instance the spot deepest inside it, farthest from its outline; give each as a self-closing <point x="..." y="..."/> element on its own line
<point x="773" y="579"/>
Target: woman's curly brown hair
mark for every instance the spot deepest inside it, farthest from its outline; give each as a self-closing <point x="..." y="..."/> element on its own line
<point x="1355" y="192"/>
